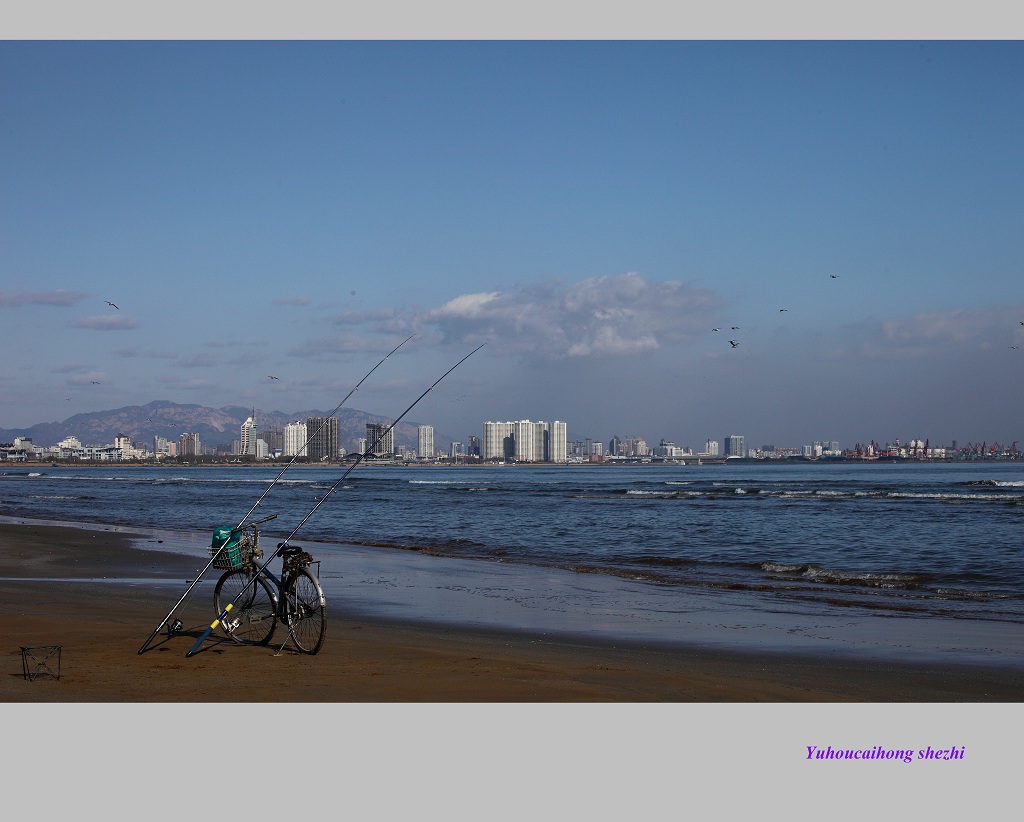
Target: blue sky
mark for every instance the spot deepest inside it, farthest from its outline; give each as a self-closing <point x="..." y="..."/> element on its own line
<point x="589" y="209"/>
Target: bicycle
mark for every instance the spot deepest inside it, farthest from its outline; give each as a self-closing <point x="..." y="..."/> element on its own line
<point x="256" y="600"/>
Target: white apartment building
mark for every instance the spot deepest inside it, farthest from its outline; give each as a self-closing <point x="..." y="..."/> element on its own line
<point x="557" y="446"/>
<point x="525" y="441"/>
<point x="295" y="438"/>
<point x="425" y="442"/>
<point x="247" y="437"/>
<point x="497" y="441"/>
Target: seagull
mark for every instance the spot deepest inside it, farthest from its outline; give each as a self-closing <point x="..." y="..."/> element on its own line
<point x="733" y="343"/>
<point x="719" y="329"/>
<point x="833" y="276"/>
<point x="111" y="304"/>
<point x="95" y="382"/>
<point x="735" y="328"/>
<point x="783" y="309"/>
<point x="271" y="376"/>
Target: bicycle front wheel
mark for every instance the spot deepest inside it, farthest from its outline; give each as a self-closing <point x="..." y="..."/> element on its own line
<point x="306" y="607"/>
<point x="253" y="617"/>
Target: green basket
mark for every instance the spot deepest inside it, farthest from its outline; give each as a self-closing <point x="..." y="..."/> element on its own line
<point x="226" y="549"/>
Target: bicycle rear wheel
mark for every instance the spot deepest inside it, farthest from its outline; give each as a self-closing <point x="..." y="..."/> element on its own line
<point x="253" y="617"/>
<point x="306" y="608"/>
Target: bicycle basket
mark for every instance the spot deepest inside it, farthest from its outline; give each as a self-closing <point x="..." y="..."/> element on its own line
<point x="231" y="549"/>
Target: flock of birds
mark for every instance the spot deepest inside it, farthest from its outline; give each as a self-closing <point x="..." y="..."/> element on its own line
<point x="735" y="343"/>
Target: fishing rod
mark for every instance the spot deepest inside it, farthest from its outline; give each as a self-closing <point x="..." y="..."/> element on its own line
<point x="282" y="545"/>
<point x="310" y="437"/>
<point x="237" y="528"/>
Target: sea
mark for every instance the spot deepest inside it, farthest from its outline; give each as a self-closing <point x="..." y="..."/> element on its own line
<point x="799" y="555"/>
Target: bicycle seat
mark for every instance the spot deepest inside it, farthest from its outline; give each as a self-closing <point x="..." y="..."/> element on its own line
<point x="288" y="550"/>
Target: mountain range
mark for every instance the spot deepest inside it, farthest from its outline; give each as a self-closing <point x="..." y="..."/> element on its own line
<point x="215" y="426"/>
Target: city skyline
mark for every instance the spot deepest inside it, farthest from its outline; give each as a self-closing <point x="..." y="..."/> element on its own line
<point x="525" y="440"/>
<point x="203" y="221"/>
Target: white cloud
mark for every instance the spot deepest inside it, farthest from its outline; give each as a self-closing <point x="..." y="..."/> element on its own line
<point x="613" y="315"/>
<point x="926" y="334"/>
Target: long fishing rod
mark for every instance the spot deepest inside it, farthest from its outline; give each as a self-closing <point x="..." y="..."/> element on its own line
<point x="310" y="437"/>
<point x="282" y="545"/>
<point x="237" y="528"/>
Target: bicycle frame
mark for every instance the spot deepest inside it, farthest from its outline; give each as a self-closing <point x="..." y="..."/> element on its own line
<point x="292" y="602"/>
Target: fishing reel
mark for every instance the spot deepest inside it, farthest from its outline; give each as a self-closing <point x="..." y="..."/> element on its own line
<point x="174" y="627"/>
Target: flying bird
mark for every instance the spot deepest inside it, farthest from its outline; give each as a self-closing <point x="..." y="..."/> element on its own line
<point x="95" y="382"/>
<point x="733" y="343"/>
<point x="783" y="309"/>
<point x="719" y="329"/>
<point x="735" y="328"/>
<point x="833" y="276"/>
<point x="271" y="376"/>
<point x="111" y="304"/>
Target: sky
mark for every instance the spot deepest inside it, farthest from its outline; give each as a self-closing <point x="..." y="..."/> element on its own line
<point x="848" y="212"/>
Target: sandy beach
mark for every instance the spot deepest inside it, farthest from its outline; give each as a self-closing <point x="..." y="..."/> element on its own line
<point x="57" y="590"/>
<point x="389" y="713"/>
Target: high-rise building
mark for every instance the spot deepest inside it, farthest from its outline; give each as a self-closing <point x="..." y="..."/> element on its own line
<point x="734" y="446"/>
<point x="322" y="434"/>
<point x="160" y="446"/>
<point x="711" y="448"/>
<point x="425" y="442"/>
<point x="188" y="445"/>
<point x="295" y="435"/>
<point x="247" y="438"/>
<point x="274" y="439"/>
<point x="497" y="441"/>
<point x="556" y="451"/>
<point x="380" y="438"/>
<point x="525" y="441"/>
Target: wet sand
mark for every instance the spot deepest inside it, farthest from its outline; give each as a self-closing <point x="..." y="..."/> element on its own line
<point x="398" y="718"/>
<point x="55" y="594"/>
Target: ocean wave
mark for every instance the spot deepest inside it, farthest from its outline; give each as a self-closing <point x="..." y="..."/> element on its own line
<point x="871" y="579"/>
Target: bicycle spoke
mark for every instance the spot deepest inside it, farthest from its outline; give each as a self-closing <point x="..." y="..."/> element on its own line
<point x="253" y="617"/>
<point x="307" y="612"/>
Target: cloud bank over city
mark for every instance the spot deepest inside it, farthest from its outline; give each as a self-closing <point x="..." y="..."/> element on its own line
<point x="644" y="246"/>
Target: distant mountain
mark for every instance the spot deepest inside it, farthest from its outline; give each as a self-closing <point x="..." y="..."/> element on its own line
<point x="215" y="426"/>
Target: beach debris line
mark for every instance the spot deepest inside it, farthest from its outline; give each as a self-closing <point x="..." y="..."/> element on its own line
<point x="283" y="547"/>
<point x="262" y="496"/>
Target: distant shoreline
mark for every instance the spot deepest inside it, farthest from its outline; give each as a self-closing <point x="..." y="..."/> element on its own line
<point x="614" y="463"/>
